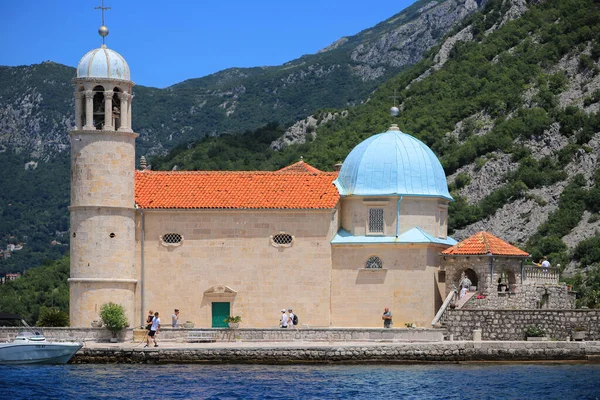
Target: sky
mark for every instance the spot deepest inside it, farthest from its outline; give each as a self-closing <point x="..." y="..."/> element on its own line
<point x="166" y="42"/>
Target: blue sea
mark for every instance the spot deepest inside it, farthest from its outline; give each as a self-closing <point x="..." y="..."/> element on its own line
<point x="430" y="381"/>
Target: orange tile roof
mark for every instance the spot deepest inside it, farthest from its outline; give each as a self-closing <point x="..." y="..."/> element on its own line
<point x="300" y="167"/>
<point x="281" y="189"/>
<point x="484" y="243"/>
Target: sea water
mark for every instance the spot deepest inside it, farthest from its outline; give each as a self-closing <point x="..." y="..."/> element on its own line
<point x="425" y="381"/>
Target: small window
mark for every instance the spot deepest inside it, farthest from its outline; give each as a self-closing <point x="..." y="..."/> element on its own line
<point x="374" y="262"/>
<point x="282" y="239"/>
<point x="375" y="220"/>
<point x="171" y="239"/>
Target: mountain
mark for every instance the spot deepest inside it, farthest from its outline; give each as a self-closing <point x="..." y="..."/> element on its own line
<point x="510" y="102"/>
<point x="36" y="101"/>
<point x="36" y="113"/>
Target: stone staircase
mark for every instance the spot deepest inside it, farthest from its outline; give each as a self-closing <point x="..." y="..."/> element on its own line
<point x="465" y="299"/>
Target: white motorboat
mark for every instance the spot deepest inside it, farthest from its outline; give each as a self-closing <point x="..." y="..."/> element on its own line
<point x="33" y="348"/>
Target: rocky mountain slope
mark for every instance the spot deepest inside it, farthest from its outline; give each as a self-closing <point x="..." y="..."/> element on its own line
<point x="36" y="101"/>
<point x="510" y="102"/>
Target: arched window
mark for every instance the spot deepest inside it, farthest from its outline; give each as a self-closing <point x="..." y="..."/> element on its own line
<point x="116" y="109"/>
<point x="98" y="107"/>
<point x="374" y="262"/>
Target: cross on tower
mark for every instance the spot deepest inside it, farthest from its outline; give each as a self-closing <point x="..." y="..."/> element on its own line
<point x="103" y="31"/>
<point x="102" y="8"/>
<point x="395" y="97"/>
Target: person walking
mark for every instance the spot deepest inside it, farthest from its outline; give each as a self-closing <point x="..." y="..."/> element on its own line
<point x="291" y="316"/>
<point x="154" y="328"/>
<point x="387" y="318"/>
<point x="284" y="319"/>
<point x="149" y="319"/>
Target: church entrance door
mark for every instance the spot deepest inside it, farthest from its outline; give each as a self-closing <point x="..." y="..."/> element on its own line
<point x="220" y="311"/>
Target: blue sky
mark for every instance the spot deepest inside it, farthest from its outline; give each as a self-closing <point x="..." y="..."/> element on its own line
<point x="166" y="42"/>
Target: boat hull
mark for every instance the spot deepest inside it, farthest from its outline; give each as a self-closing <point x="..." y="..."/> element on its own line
<point x="37" y="353"/>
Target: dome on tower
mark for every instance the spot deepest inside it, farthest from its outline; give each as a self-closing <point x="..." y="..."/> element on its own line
<point x="103" y="63"/>
<point x="392" y="163"/>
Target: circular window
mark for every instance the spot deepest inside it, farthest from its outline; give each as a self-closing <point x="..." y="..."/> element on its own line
<point x="112" y="235"/>
<point x="172" y="239"/>
<point x="374" y="262"/>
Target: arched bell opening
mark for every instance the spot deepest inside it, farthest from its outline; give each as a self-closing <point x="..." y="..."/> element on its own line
<point x="98" y="107"/>
<point x="116" y="108"/>
<point x="80" y="107"/>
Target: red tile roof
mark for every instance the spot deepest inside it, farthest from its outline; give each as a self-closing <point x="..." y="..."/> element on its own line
<point x="485" y="243"/>
<point x="288" y="188"/>
<point x="300" y="167"/>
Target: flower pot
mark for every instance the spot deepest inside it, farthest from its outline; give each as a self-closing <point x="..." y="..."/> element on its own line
<point x="233" y="325"/>
<point x="113" y="340"/>
<point x="188" y="325"/>
<point x="579" y="335"/>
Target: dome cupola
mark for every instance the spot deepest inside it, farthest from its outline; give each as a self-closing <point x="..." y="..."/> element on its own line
<point x="392" y="163"/>
<point x="103" y="63"/>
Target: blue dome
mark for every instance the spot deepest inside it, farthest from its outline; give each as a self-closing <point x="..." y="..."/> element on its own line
<point x="103" y="63"/>
<point x="392" y="163"/>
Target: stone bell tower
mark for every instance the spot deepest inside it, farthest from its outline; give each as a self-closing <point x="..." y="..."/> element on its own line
<point x="102" y="187"/>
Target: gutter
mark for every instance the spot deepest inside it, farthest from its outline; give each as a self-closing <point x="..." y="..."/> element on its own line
<point x="142" y="288"/>
<point x="398" y="216"/>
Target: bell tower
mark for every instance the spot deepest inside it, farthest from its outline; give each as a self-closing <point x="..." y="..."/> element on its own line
<point x="102" y="186"/>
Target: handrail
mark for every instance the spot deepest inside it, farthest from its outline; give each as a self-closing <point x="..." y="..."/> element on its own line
<point x="443" y="307"/>
<point x="535" y="274"/>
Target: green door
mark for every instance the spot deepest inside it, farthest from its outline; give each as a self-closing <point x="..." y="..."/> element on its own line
<point x="220" y="311"/>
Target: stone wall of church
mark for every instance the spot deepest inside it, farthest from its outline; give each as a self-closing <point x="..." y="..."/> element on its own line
<point x="233" y="249"/>
<point x="421" y="212"/>
<point x="407" y="284"/>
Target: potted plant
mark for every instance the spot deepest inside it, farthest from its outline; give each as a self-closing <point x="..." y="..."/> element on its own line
<point x="535" y="333"/>
<point x="188" y="324"/>
<point x="579" y="333"/>
<point x="114" y="319"/>
<point x="233" y="322"/>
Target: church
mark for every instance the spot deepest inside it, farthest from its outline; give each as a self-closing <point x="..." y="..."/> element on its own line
<point x="337" y="247"/>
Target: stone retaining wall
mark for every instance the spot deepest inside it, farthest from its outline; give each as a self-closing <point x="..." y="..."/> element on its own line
<point x="389" y="353"/>
<point x="247" y="334"/>
<point x="511" y="324"/>
<point x="7" y="334"/>
<point x="549" y="297"/>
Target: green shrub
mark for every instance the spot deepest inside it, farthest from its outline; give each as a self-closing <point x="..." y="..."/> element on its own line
<point x="113" y="317"/>
<point x="534" y="331"/>
<point x="53" y="317"/>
